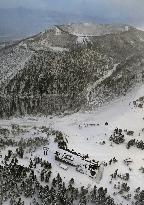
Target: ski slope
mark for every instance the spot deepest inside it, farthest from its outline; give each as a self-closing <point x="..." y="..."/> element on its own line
<point x="85" y="133"/>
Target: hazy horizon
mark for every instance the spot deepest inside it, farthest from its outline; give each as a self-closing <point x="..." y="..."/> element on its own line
<point x="20" y="18"/>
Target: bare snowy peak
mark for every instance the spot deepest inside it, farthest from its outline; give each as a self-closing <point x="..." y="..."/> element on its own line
<point x="91" y="29"/>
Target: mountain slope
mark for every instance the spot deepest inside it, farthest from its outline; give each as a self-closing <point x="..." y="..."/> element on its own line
<point x="56" y="72"/>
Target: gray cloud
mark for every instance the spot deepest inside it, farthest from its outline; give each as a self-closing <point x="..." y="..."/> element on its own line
<point x="128" y="11"/>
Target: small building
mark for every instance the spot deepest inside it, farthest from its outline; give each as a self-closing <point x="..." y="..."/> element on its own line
<point x="79" y="169"/>
<point x="68" y="157"/>
<point x="63" y="166"/>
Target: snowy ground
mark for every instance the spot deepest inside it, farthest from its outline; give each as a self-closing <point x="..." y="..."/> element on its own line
<point x="85" y="137"/>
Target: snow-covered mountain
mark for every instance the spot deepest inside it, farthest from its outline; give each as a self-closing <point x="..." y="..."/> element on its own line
<point x="72" y="113"/>
<point x="91" y="29"/>
<point x="69" y="68"/>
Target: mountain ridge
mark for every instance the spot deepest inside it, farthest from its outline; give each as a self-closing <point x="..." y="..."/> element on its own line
<point x="52" y="72"/>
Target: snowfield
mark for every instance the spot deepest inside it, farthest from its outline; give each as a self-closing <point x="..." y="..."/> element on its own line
<point x="85" y="132"/>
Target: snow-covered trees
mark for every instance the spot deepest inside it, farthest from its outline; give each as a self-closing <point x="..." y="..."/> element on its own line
<point x="117" y="137"/>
